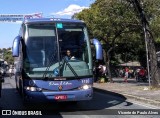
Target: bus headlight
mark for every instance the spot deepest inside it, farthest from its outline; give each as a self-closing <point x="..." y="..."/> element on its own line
<point x="85" y="87"/>
<point x="33" y="88"/>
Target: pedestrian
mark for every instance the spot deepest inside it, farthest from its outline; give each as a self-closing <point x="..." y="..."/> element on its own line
<point x="126" y="74"/>
<point x="11" y="71"/>
<point x="121" y="72"/>
<point x="102" y="73"/>
<point x="142" y="74"/>
<point x="136" y="74"/>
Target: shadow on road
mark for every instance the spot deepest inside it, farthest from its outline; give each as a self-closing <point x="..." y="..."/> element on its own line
<point x="12" y="100"/>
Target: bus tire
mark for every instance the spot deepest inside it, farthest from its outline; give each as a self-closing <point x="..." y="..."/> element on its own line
<point x="20" y="88"/>
<point x="16" y="82"/>
<point x="25" y="101"/>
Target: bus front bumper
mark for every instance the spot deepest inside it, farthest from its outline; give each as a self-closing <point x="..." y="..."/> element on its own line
<point x="75" y="95"/>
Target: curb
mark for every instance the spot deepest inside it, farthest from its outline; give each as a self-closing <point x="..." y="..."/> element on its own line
<point x="128" y="96"/>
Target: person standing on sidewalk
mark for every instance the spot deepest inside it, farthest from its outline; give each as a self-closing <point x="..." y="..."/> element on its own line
<point x="126" y="74"/>
<point x="11" y="71"/>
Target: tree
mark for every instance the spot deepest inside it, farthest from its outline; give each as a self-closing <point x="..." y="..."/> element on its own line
<point x="109" y="21"/>
<point x="115" y="22"/>
<point x="7" y="55"/>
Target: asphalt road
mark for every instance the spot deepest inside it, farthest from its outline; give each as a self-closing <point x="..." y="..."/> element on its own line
<point x="102" y="105"/>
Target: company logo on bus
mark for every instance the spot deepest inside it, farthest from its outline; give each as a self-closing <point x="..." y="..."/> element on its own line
<point x="59" y="83"/>
<point x="60" y="88"/>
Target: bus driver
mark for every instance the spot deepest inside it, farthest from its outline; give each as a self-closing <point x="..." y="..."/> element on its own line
<point x="69" y="56"/>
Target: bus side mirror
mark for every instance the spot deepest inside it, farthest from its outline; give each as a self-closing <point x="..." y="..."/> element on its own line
<point x="98" y="48"/>
<point x="15" y="46"/>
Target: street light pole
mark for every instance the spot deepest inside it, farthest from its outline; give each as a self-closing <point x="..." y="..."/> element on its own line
<point x="147" y="54"/>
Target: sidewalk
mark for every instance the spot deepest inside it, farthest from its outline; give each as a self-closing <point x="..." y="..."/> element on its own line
<point x="138" y="91"/>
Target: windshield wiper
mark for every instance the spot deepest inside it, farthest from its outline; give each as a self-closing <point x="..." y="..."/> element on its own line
<point x="60" y="68"/>
<point x="48" y="67"/>
<point x="70" y="67"/>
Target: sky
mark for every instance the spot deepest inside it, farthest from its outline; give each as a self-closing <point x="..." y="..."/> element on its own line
<point x="49" y="8"/>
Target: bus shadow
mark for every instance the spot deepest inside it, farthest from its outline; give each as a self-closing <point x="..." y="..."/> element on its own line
<point x="96" y="106"/>
<point x="12" y="100"/>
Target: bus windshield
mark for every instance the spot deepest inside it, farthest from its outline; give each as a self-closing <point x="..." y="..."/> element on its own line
<point x="60" y="50"/>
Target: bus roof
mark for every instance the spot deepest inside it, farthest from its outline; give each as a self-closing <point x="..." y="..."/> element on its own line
<point x="51" y="20"/>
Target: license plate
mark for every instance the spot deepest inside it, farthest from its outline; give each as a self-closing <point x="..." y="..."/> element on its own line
<point x="60" y="97"/>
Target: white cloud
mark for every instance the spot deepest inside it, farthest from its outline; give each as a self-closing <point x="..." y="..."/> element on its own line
<point x="70" y="10"/>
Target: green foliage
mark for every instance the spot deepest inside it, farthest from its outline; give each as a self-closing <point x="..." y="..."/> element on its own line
<point x="116" y="22"/>
<point x="7" y="55"/>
